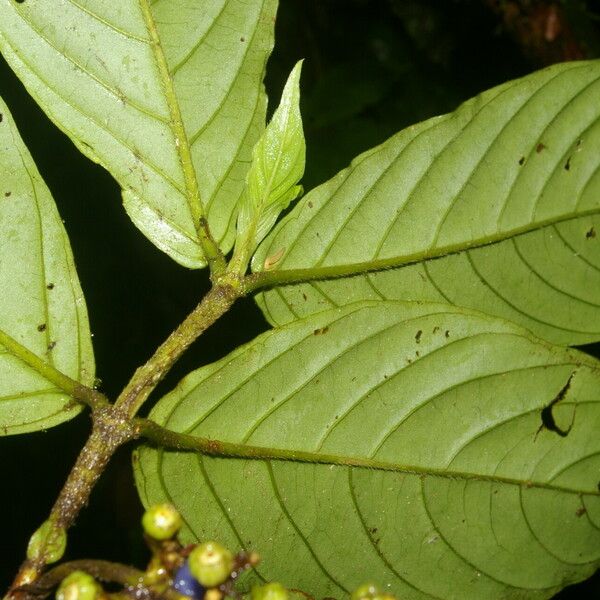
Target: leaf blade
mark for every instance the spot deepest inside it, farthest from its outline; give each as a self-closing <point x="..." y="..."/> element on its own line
<point x="41" y="305"/>
<point x="357" y="382"/>
<point x="113" y="90"/>
<point x="278" y="161"/>
<point x="491" y="174"/>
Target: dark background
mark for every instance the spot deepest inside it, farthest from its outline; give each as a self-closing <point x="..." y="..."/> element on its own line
<point x="372" y="67"/>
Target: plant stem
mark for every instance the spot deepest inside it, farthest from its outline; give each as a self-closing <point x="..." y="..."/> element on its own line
<point x="76" y="390"/>
<point x="103" y="570"/>
<point x="113" y="424"/>
<point x="110" y="430"/>
<point x="99" y="569"/>
<point x="216" y="303"/>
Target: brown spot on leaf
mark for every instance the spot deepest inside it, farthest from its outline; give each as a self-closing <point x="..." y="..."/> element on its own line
<point x="272" y="260"/>
<point x="522" y="160"/>
<point x="41" y="327"/>
<point x="540" y="147"/>
<point x="418" y="336"/>
<point x="7" y="194"/>
<point x="580" y="511"/>
<point x="50" y="286"/>
<point x="568" y="164"/>
<point x="591" y="233"/>
<point x="447" y="333"/>
<point x="310" y="204"/>
<point x="436" y="329"/>
<point x="51" y="345"/>
<point x="321" y="331"/>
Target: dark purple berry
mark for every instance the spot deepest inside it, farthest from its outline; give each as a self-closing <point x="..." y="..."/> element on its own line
<point x="185" y="583"/>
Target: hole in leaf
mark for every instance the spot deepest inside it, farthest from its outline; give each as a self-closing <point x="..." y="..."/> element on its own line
<point x="548" y="418"/>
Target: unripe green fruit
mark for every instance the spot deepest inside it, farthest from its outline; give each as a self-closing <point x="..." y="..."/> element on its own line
<point x="78" y="586"/>
<point x="269" y="591"/>
<point x="47" y="543"/>
<point x="210" y="563"/>
<point x="367" y="591"/>
<point x="161" y="521"/>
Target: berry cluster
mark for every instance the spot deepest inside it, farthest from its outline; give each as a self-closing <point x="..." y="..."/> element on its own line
<point x="205" y="571"/>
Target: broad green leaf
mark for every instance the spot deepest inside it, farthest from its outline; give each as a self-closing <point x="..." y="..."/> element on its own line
<point x="466" y="494"/>
<point x="277" y="166"/>
<point x="494" y="207"/>
<point x="166" y="95"/>
<point x="41" y="304"/>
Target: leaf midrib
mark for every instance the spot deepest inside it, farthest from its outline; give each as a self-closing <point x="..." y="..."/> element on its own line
<point x="306" y="275"/>
<point x="181" y="141"/>
<point x="268" y="454"/>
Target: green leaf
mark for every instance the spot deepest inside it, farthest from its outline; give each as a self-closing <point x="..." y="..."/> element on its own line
<point x="41" y="304"/>
<point x="463" y="493"/>
<point x="494" y="207"/>
<point x="164" y="95"/>
<point x="277" y="166"/>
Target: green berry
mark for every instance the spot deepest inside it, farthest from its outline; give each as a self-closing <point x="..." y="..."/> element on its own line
<point x="269" y="591"/>
<point x="78" y="586"/>
<point x="48" y="543"/>
<point x="367" y="591"/>
<point x="161" y="521"/>
<point x="211" y="564"/>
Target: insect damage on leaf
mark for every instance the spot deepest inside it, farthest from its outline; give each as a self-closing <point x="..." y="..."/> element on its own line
<point x="548" y="420"/>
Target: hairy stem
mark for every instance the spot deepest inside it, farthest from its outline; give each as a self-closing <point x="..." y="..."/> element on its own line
<point x="76" y="390"/>
<point x="134" y="580"/>
<point x="114" y="424"/>
<point x="216" y="303"/>
<point x="100" y="569"/>
<point x="110" y="430"/>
